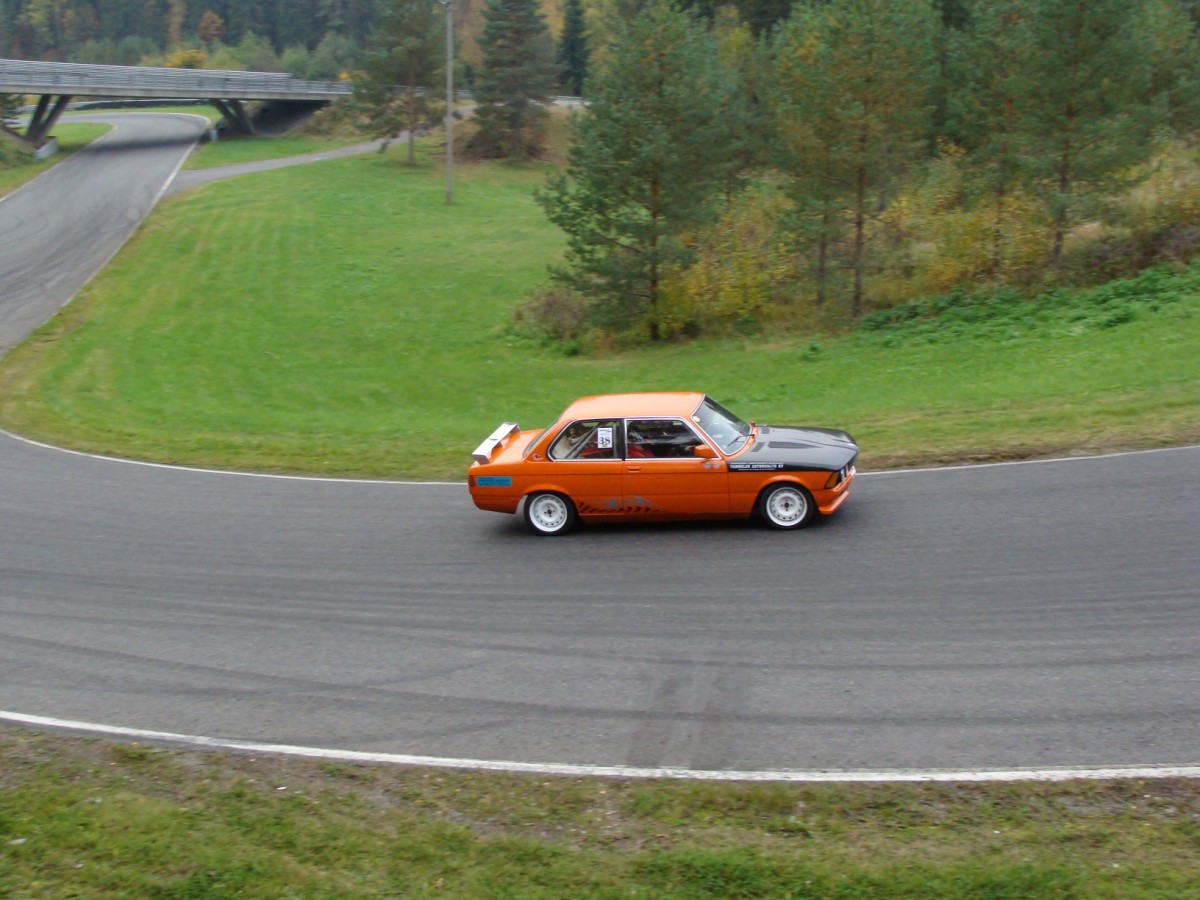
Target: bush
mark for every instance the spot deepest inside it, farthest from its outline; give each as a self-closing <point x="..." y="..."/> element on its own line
<point x="740" y="265"/>
<point x="555" y="312"/>
<point x="939" y="235"/>
<point x="483" y="145"/>
<point x="10" y="155"/>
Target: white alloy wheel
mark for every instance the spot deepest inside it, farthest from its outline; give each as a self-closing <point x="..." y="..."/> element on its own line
<point x="547" y="513"/>
<point x="786" y="506"/>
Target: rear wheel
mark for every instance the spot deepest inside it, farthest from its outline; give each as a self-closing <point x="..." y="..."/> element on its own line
<point x="786" y="506"/>
<point x="548" y="513"/>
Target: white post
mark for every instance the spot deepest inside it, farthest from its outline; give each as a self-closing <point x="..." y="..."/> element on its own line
<point x="449" y="100"/>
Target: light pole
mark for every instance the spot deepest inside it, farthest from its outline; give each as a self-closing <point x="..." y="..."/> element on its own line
<point x="449" y="99"/>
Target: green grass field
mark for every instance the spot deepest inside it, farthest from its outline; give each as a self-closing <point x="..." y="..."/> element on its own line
<point x="340" y="318"/>
<point x="85" y="818"/>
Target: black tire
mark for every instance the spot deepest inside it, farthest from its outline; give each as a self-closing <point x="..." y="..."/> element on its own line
<point x="786" y="506"/>
<point x="548" y="513"/>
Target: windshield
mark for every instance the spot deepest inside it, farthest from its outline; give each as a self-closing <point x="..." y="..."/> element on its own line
<point x="727" y="430"/>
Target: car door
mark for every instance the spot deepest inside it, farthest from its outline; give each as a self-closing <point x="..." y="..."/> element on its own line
<point x="584" y="460"/>
<point x="663" y="475"/>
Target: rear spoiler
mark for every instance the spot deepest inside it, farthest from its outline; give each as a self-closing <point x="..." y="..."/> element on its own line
<point x="483" y="452"/>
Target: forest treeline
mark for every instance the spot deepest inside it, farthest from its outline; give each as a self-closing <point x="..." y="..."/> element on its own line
<point x="759" y="163"/>
<point x="863" y="153"/>
<point x="320" y="38"/>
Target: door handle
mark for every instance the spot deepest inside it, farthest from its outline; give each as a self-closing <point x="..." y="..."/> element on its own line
<point x="633" y="469"/>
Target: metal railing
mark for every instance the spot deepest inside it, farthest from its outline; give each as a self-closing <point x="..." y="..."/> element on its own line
<point x="82" y="79"/>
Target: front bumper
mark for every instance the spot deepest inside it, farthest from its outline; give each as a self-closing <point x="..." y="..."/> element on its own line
<point x="829" y="500"/>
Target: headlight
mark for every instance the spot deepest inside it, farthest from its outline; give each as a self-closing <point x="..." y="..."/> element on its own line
<point x="836" y="478"/>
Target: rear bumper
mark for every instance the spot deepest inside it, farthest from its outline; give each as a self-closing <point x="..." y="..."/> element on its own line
<point x="495" y="502"/>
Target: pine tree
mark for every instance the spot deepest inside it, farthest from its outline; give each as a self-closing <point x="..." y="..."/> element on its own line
<point x="1081" y="102"/>
<point x="953" y="17"/>
<point x="647" y="162"/>
<point x="515" y="80"/>
<point x="852" y="104"/>
<point x="748" y="125"/>
<point x="354" y="19"/>
<point x="1174" y="50"/>
<point x="293" y="22"/>
<point x="406" y="58"/>
<point x="763" y="15"/>
<point x="809" y="142"/>
<point x="986" y="62"/>
<point x="573" y="49"/>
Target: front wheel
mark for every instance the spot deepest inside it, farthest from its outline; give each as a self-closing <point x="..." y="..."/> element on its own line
<point x="547" y="513"/>
<point x="786" y="506"/>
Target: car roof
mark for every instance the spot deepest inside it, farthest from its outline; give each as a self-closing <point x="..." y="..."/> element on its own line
<point x="614" y="406"/>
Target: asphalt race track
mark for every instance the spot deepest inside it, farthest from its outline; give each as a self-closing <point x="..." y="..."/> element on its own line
<point x="57" y="231"/>
<point x="1029" y="615"/>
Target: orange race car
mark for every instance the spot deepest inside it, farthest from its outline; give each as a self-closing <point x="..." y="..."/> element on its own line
<point x="660" y="456"/>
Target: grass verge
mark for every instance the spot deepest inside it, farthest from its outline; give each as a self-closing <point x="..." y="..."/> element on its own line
<point x="72" y="136"/>
<point x="83" y="817"/>
<point x="234" y="150"/>
<point x="342" y="319"/>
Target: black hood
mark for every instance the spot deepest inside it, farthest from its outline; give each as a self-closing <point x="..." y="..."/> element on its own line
<point x="782" y="448"/>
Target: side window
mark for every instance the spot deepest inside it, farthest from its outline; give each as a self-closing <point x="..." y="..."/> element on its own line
<point x="660" y="438"/>
<point x="592" y="439"/>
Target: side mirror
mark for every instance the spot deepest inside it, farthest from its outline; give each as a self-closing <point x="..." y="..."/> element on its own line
<point x="703" y="451"/>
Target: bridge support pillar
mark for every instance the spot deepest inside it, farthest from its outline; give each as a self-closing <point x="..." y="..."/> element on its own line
<point x="44" y="118"/>
<point x="235" y="116"/>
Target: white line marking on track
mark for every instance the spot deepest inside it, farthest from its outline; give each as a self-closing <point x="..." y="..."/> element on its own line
<point x="1033" y="462"/>
<point x="154" y="465"/>
<point x="484" y="765"/>
<point x="175" y="172"/>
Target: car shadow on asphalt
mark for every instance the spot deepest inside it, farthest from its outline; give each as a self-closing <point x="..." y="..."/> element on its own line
<point x="728" y="529"/>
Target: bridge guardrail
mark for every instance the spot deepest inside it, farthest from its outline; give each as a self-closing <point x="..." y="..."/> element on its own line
<point x="24" y="76"/>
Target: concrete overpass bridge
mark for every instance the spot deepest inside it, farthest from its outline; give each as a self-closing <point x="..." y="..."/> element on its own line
<point x="57" y="84"/>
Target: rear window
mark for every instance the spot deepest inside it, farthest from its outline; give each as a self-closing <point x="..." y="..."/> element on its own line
<point x="587" y="439"/>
